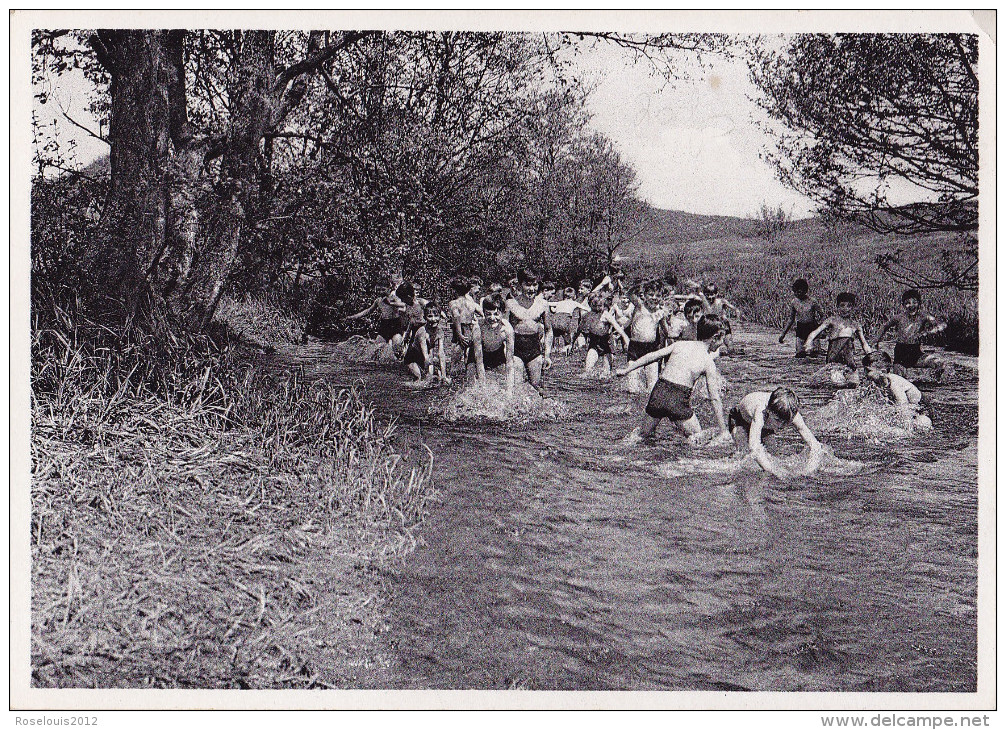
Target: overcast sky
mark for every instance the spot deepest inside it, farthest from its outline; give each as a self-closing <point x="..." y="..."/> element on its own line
<point x="694" y="145"/>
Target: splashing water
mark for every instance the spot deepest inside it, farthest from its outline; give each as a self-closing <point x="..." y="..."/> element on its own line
<point x="489" y="401"/>
<point x="864" y="411"/>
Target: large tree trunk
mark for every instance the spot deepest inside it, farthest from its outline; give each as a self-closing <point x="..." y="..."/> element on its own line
<point x="135" y="224"/>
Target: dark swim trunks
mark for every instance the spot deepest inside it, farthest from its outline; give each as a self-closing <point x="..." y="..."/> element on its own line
<point x="414" y="355"/>
<point x="803" y="329"/>
<point x="842" y="350"/>
<point x="600" y="343"/>
<point x="738" y="420"/>
<point x="670" y="400"/>
<point x="906" y="355"/>
<point x="637" y="349"/>
<point x="526" y="347"/>
<point x="388" y="328"/>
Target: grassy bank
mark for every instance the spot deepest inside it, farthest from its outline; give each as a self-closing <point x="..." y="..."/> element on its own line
<point x="756" y="274"/>
<point x="198" y="522"/>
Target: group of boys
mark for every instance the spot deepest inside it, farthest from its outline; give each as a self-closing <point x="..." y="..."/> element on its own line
<point x="516" y="327"/>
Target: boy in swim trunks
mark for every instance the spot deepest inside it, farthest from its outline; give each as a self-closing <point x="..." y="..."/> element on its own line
<point x="911" y="326"/>
<point x="898" y="389"/>
<point x="687" y="361"/>
<point x="564" y="314"/>
<point x="527" y="316"/>
<point x="597" y="325"/>
<point x="759" y="415"/>
<point x="463" y="309"/>
<point x="492" y="342"/>
<point x="647" y="316"/>
<point x="843" y="330"/>
<point x="390" y="325"/>
<point x="429" y="336"/>
<point x="805" y="313"/>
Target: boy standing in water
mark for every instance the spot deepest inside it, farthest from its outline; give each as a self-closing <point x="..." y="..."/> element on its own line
<point x="463" y="309"/>
<point x="805" y="313"/>
<point x="527" y="315"/>
<point x="646" y="316"/>
<point x="899" y="390"/>
<point x="671" y="396"/>
<point x="693" y="314"/>
<point x="911" y="326"/>
<point x="842" y="332"/>
<point x="492" y="342"/>
<point x="429" y="335"/>
<point x="564" y="316"/>
<point x="597" y="324"/>
<point x="390" y="325"/>
<point x="761" y="414"/>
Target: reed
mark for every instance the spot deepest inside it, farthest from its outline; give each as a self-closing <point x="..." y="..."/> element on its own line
<point x="196" y="521"/>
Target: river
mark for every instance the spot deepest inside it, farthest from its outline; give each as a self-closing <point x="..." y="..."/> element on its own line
<point x="558" y="559"/>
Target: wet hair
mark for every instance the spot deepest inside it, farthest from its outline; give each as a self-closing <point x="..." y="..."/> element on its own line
<point x="670" y="277"/>
<point x="495" y="287"/>
<point x="548" y="285"/>
<point x="691" y="305"/>
<point x="569" y="292"/>
<point x="406" y="292"/>
<point x="653" y="286"/>
<point x="431" y="308"/>
<point x="708" y="327"/>
<point x="587" y="283"/>
<point x="474" y="281"/>
<point x="784" y="403"/>
<point x="911" y="294"/>
<point x="596" y="298"/>
<point x="460" y="286"/>
<point x="800" y="285"/>
<point x="493" y="302"/>
<point x="846" y="297"/>
<point x="877" y="359"/>
<point x="526" y="276"/>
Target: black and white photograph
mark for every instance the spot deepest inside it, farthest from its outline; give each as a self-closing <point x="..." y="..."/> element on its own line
<point x="644" y="354"/>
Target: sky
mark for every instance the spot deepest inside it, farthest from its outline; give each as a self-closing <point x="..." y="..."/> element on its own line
<point x="693" y="144"/>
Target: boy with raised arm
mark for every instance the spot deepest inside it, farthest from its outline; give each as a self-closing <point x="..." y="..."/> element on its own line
<point x="686" y="362"/>
<point x="597" y="325"/>
<point x="911" y="326"/>
<point x="647" y="316"/>
<point x="843" y="331"/>
<point x="760" y="415"/>
<point x="492" y="342"/>
<point x="805" y="313"/>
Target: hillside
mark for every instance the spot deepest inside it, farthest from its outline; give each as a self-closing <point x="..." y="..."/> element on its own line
<point x="756" y="274"/>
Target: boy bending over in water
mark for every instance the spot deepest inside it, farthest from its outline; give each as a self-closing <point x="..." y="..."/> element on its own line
<point x="429" y="335"/>
<point x="597" y="325"/>
<point x="761" y="414"/>
<point x="911" y="327"/>
<point x="686" y="362"/>
<point x="492" y="342"/>
<point x="898" y="389"/>
<point x="841" y="343"/>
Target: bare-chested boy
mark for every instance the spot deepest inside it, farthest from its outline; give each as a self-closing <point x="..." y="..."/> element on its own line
<point x="527" y="315"/>
<point x="843" y="331"/>
<point x="597" y="325"/>
<point x="647" y="316"/>
<point x="898" y="389"/>
<point x="492" y="342"/>
<point x="463" y="309"/>
<point x="687" y="361"/>
<point x="805" y="313"/>
<point x="760" y="414"/>
<point x="910" y="327"/>
<point x="426" y="348"/>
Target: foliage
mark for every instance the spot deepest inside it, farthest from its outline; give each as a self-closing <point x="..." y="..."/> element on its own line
<point x="771" y="221"/>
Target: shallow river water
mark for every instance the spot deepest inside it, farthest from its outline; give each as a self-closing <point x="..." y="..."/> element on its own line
<point x="556" y="558"/>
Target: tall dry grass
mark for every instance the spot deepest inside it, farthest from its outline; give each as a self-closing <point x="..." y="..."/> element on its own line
<point x="190" y="515"/>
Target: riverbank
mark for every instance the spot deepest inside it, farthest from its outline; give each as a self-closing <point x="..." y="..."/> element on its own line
<point x="203" y="521"/>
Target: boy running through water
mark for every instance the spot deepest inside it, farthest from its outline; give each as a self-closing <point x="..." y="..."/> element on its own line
<point x="565" y="314"/>
<point x="805" y="313"/>
<point x="527" y="315"/>
<point x="391" y="327"/>
<point x="911" y="326"/>
<point x="647" y="316"/>
<point x="899" y="390"/>
<point x="463" y="309"/>
<point x="671" y="396"/>
<point x="492" y="342"/>
<point x="597" y="324"/>
<point x="843" y="330"/>
<point x="428" y="336"/>
<point x="759" y="415"/>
